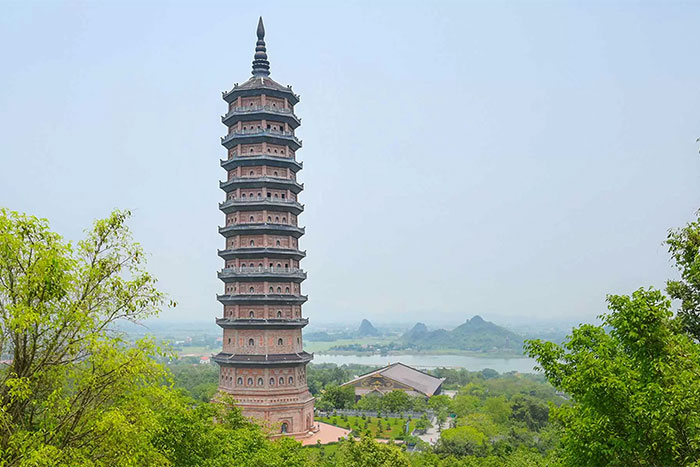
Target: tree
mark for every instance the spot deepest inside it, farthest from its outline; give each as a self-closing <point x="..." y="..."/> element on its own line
<point x="72" y="384"/>
<point x="440" y="401"/>
<point x="422" y="424"/>
<point x="633" y="384"/>
<point x="74" y="392"/>
<point x="371" y="402"/>
<point x="461" y="441"/>
<point x="534" y="413"/>
<point x="369" y="453"/>
<point x="337" y="397"/>
<point x="684" y="247"/>
<point x="396" y="401"/>
<point x="497" y="408"/>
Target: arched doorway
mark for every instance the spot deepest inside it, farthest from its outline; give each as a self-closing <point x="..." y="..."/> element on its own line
<point x="285" y="428"/>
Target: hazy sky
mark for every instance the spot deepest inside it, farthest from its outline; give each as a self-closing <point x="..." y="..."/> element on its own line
<point x="511" y="159"/>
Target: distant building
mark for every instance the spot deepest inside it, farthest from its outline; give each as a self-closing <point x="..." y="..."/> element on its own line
<point x="204" y="360"/>
<point x="396" y="376"/>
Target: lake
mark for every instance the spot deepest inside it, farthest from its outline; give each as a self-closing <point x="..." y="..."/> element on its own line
<point x="501" y="365"/>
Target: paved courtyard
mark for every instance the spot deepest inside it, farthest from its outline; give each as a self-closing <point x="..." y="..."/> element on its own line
<point x="326" y="434"/>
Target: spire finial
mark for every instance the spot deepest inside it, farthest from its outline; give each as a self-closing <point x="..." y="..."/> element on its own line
<point x="261" y="67"/>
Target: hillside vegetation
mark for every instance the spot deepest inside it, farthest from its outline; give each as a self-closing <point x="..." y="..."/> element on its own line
<point x="475" y="334"/>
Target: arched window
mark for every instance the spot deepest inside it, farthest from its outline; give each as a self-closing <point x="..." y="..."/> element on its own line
<point x="252" y="290"/>
<point x="250" y="381"/>
<point x="279" y="265"/>
<point x="243" y="196"/>
<point x="279" y="289"/>
<point x="280" y="341"/>
<point x="285" y="428"/>
<point x="286" y="290"/>
<point x="252" y="218"/>
<point x="291" y="380"/>
<point x="251" y="150"/>
<point x="260" y="381"/>
<point x="277" y="219"/>
<point x="251" y="314"/>
<point x="272" y="381"/>
<point x="281" y="380"/>
<point x="239" y="381"/>
<point x="269" y="218"/>
<point x="229" y="340"/>
<point x="276" y="196"/>
<point x="252" y="243"/>
<point x="251" y="342"/>
<point x="260" y="265"/>
<point x="279" y="313"/>
<point x="284" y="220"/>
<point x="251" y="173"/>
<point x="275" y="173"/>
<point x="272" y="290"/>
<point x="251" y="266"/>
<point x="278" y="243"/>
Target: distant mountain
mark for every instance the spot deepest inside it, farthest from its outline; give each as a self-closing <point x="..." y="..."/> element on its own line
<point x="416" y="332"/>
<point x="319" y="336"/>
<point x="366" y="329"/>
<point x="475" y="334"/>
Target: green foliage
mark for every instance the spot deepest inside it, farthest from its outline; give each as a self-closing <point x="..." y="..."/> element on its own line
<point x="75" y="393"/>
<point x="396" y="401"/>
<point x="474" y="335"/>
<point x="369" y="453"/>
<point x="321" y="375"/>
<point x="199" y="381"/>
<point x="534" y="413"/>
<point x="189" y="437"/>
<point x="684" y="247"/>
<point x="633" y="384"/>
<point x="73" y="387"/>
<point x="462" y="441"/>
<point x="498" y="408"/>
<point x="336" y="397"/>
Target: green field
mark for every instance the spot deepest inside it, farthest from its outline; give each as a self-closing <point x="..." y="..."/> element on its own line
<point x="324" y="449"/>
<point x="323" y="346"/>
<point x="390" y="427"/>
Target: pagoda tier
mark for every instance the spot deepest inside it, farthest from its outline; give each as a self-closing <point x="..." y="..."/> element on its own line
<point x="262" y="362"/>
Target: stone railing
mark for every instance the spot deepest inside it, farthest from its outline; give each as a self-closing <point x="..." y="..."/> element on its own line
<point x="259" y="108"/>
<point x="254" y="270"/>
<point x="261" y="154"/>
<point x="258" y="199"/>
<point x="256" y="131"/>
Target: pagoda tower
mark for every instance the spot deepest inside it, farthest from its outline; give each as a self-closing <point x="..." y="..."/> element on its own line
<point x="263" y="363"/>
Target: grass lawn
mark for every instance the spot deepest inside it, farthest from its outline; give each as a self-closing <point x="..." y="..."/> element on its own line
<point x="325" y="449"/>
<point x="391" y="427"/>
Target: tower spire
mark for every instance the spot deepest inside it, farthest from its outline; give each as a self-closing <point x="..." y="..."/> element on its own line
<point x="261" y="67"/>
